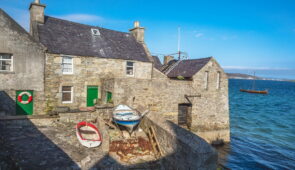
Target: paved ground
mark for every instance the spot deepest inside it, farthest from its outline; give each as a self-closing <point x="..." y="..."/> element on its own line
<point x="55" y="146"/>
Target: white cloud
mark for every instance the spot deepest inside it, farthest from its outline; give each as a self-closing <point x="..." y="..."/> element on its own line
<point x="83" y="18"/>
<point x="254" y="68"/>
<point x="198" y="35"/>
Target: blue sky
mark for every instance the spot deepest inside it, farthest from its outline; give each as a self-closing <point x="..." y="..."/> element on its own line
<point x="244" y="36"/>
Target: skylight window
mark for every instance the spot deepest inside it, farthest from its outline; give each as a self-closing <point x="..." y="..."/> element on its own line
<point x="95" y="31"/>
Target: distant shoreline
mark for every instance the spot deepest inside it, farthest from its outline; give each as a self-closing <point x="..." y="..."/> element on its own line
<point x="249" y="77"/>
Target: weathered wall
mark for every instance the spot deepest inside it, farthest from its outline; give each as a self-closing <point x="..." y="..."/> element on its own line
<point x="210" y="113"/>
<point x="180" y="148"/>
<point x="28" y="66"/>
<point x="87" y="71"/>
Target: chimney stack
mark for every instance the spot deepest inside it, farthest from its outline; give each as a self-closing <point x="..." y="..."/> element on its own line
<point x="36" y="15"/>
<point x="167" y="59"/>
<point x="138" y="32"/>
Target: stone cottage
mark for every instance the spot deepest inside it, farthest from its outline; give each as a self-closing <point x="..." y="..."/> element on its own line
<point x="87" y="66"/>
<point x="21" y="70"/>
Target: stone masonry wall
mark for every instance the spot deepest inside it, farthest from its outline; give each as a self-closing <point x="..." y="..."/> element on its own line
<point x="180" y="148"/>
<point x="210" y="115"/>
<point x="28" y="66"/>
<point x="210" y="112"/>
<point x="87" y="71"/>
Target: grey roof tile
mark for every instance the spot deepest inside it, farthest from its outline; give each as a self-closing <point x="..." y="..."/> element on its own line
<point x="186" y="68"/>
<point x="66" y="37"/>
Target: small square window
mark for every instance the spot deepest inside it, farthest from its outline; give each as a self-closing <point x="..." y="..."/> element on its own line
<point x="6" y="62"/>
<point x="95" y="31"/>
<point x="67" y="65"/>
<point x="129" y="68"/>
<point x="67" y="94"/>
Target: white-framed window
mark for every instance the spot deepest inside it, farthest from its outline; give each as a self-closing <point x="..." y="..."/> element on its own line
<point x="67" y="94"/>
<point x="6" y="62"/>
<point x="130" y="68"/>
<point x="218" y="80"/>
<point x="206" y="80"/>
<point x="67" y="65"/>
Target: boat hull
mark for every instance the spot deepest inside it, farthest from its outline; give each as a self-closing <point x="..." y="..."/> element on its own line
<point x="90" y="143"/>
<point x="130" y="124"/>
<point x="254" y="91"/>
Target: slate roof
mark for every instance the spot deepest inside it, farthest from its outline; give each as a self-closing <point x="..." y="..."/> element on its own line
<point x="157" y="63"/>
<point x="66" y="37"/>
<point x="185" y="68"/>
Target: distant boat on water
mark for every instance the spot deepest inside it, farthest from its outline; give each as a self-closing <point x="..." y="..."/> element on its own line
<point x="253" y="89"/>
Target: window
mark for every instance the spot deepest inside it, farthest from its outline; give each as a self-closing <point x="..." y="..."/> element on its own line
<point x="67" y="65"/>
<point x="67" y="94"/>
<point x="130" y="68"/>
<point x="206" y="80"/>
<point x="218" y="80"/>
<point x="6" y="62"/>
<point x="95" y="31"/>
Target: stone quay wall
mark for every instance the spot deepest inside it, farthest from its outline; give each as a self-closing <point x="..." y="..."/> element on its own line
<point x="180" y="148"/>
<point x="28" y="66"/>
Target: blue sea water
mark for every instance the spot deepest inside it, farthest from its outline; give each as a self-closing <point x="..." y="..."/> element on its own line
<point x="262" y="126"/>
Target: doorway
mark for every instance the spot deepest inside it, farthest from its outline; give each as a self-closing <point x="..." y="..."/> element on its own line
<point x="185" y="115"/>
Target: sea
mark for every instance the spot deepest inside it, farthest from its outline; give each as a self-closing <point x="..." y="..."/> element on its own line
<point x="262" y="126"/>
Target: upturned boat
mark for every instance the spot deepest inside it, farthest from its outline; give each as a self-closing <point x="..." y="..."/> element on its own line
<point x="88" y="134"/>
<point x="125" y="116"/>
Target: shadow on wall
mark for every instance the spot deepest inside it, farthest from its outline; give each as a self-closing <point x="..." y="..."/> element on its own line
<point x="29" y="146"/>
<point x="24" y="146"/>
<point x="7" y="105"/>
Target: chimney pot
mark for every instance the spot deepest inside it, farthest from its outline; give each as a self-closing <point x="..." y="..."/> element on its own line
<point x="37" y="1"/>
<point x="136" y="24"/>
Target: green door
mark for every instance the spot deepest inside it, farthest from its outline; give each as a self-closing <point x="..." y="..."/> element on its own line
<point x="92" y="95"/>
<point x="24" y="102"/>
<point x="109" y="97"/>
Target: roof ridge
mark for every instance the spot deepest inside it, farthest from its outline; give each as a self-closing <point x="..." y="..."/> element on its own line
<point x="85" y="24"/>
<point x="198" y="59"/>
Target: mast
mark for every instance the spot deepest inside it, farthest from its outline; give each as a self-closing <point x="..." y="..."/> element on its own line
<point x="178" y="43"/>
<point x="253" y="87"/>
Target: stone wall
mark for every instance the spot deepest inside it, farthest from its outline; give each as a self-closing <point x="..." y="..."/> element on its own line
<point x="28" y="66"/>
<point x="210" y="112"/>
<point x="180" y="148"/>
<point x="87" y="71"/>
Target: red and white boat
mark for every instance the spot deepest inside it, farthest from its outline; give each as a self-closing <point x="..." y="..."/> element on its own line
<point x="88" y="134"/>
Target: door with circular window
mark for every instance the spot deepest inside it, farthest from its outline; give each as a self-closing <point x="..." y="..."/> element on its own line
<point x="24" y="102"/>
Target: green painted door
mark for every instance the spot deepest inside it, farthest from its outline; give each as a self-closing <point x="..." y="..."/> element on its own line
<point x="24" y="102"/>
<point x="92" y="95"/>
<point x="109" y="97"/>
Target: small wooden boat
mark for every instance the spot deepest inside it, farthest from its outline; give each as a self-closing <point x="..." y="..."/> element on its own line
<point x="125" y="116"/>
<point x="88" y="134"/>
<point x="253" y="87"/>
<point x="255" y="91"/>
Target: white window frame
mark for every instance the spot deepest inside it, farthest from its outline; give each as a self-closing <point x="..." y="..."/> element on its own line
<point x="218" y="79"/>
<point x="11" y="59"/>
<point x="206" y="80"/>
<point x="133" y="68"/>
<point x="72" y="93"/>
<point x="62" y="64"/>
